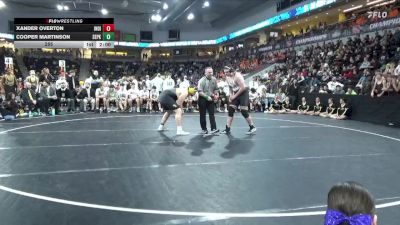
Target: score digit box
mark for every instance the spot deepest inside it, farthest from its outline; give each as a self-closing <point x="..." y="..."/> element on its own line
<point x="108" y="27"/>
<point x="108" y="36"/>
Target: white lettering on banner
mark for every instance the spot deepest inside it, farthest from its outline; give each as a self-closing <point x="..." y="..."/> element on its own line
<point x="375" y="14"/>
<point x="311" y="39"/>
<point x="267" y="48"/>
<point x="383" y="24"/>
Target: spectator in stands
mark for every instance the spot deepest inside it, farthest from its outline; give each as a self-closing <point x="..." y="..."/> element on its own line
<point x="82" y="98"/>
<point x="362" y="84"/>
<point x="147" y="82"/>
<point x="158" y="82"/>
<point x="350" y="203"/>
<point x="28" y="97"/>
<point x="153" y="101"/>
<point x="332" y="85"/>
<point x="47" y="98"/>
<point x="317" y="108"/>
<point x="33" y="80"/>
<point x="122" y="99"/>
<point x="9" y="83"/>
<point x="343" y="111"/>
<point x="388" y="86"/>
<point x="324" y="90"/>
<point x="71" y="80"/>
<point x="168" y="83"/>
<point x="65" y="97"/>
<point x="350" y="91"/>
<point x="101" y="98"/>
<point x="339" y="90"/>
<point x="185" y="83"/>
<point x="111" y="99"/>
<point x="133" y="98"/>
<point x="9" y="107"/>
<point x="396" y="84"/>
<point x="2" y="91"/>
<point x="46" y="76"/>
<point x="379" y="84"/>
<point x="313" y="84"/>
<point x="397" y="70"/>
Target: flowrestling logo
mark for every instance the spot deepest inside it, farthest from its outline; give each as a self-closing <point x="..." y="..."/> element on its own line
<point x="377" y="15"/>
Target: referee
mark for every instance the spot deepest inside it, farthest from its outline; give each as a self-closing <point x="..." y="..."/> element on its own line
<point x="208" y="92"/>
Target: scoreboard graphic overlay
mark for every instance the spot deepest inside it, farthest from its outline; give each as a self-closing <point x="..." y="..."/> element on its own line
<point x="64" y="32"/>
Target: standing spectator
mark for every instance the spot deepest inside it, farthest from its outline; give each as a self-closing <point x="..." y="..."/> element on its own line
<point x="168" y="83"/>
<point x="64" y="96"/>
<point x="33" y="80"/>
<point x="158" y="83"/>
<point x="185" y="83"/>
<point x="9" y="83"/>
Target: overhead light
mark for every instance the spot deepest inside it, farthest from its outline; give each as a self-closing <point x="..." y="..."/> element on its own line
<point x="104" y="11"/>
<point x="60" y="7"/>
<point x="2" y="4"/>
<point x="156" y="17"/>
<point x="66" y="7"/>
<point x="374" y="2"/>
<point x="327" y="13"/>
<point x="385" y="3"/>
<point x="165" y="6"/>
<point x="190" y="16"/>
<point x="206" y="4"/>
<point x="352" y="8"/>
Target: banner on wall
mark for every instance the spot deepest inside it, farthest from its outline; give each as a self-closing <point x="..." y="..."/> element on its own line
<point x="61" y="66"/>
<point x="334" y="34"/>
<point x="8" y="61"/>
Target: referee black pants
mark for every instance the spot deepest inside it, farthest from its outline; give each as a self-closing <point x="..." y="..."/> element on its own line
<point x="205" y="106"/>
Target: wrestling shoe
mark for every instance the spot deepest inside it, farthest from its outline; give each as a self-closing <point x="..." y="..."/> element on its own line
<point x="182" y="133"/>
<point x="252" y="130"/>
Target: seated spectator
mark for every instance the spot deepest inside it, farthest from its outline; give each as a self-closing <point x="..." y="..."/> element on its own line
<point x="350" y="91"/>
<point x="343" y="111"/>
<point x="317" y="109"/>
<point x="28" y="97"/>
<point x="83" y="98"/>
<point x="276" y="106"/>
<point x="332" y="85"/>
<point x="388" y="86"/>
<point x="101" y="98"/>
<point x="330" y="109"/>
<point x="9" y="107"/>
<point x="122" y="99"/>
<point x="112" y="97"/>
<point x="47" y="98"/>
<point x="64" y="96"/>
<point x="350" y="203"/>
<point x="396" y="84"/>
<point x="339" y="90"/>
<point x="287" y="107"/>
<point x="254" y="98"/>
<point x="133" y="98"/>
<point x="397" y="70"/>
<point x="153" y="101"/>
<point x="303" y="107"/>
<point x="324" y="90"/>
<point x="379" y="84"/>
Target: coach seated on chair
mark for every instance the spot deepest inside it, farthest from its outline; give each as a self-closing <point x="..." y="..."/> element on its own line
<point x="64" y="96"/>
<point x="28" y="97"/>
<point x="48" y="97"/>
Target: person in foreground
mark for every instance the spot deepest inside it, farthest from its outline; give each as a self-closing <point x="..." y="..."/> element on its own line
<point x="239" y="99"/>
<point x="171" y="100"/>
<point x="349" y="203"/>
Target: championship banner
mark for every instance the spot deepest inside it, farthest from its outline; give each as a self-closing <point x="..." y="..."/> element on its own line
<point x="62" y="67"/>
<point x="8" y="61"/>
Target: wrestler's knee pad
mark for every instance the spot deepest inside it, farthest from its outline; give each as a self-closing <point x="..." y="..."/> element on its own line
<point x="231" y="111"/>
<point x="245" y="113"/>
